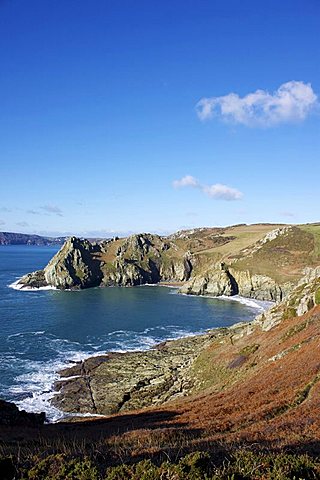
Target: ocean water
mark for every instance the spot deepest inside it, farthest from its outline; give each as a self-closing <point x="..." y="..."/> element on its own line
<point x="45" y="330"/>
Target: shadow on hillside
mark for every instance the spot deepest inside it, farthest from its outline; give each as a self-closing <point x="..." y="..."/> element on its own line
<point x="96" y="429"/>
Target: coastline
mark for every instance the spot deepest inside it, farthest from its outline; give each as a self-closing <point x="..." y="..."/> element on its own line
<point x="50" y="394"/>
<point x="117" y="382"/>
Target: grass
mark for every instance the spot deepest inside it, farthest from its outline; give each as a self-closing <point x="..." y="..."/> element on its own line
<point x="283" y="258"/>
<point x="240" y="464"/>
<point x="249" y="350"/>
<point x="314" y="229"/>
<point x="317" y="297"/>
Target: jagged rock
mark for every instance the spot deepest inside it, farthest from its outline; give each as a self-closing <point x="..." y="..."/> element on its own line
<point x="74" y="266"/>
<point x="34" y="280"/>
<point x="194" y="257"/>
<point x="124" y="381"/>
<point x="215" y="282"/>
<point x="298" y="301"/>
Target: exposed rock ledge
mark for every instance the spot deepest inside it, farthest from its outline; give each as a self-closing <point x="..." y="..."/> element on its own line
<point x="124" y="381"/>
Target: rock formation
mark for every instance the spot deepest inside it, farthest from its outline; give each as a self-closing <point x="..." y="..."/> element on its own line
<point x="119" y="382"/>
<point x="256" y="261"/>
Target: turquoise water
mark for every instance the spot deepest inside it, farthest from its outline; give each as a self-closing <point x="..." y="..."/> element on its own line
<point x="42" y="331"/>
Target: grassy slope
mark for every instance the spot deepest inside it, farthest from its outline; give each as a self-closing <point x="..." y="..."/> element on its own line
<point x="282" y="259"/>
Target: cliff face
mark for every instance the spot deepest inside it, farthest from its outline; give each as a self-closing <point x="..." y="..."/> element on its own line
<point x="258" y="261"/>
<point x="75" y="265"/>
<point x="137" y="260"/>
<point x="222" y="280"/>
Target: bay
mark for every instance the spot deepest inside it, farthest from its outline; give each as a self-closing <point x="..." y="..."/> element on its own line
<point x="45" y="330"/>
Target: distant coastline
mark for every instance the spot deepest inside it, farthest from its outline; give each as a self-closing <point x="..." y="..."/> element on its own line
<point x="13" y="238"/>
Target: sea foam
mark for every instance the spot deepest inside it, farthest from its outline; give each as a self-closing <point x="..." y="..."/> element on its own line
<point x="18" y="286"/>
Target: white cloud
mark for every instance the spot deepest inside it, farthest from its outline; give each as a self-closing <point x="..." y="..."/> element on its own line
<point x="223" y="192"/>
<point x="2" y="222"/>
<point x="217" y="191"/>
<point x="186" y="181"/>
<point x="292" y="102"/>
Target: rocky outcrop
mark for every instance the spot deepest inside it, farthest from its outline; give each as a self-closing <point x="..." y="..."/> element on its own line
<point x="216" y="282"/>
<point x="222" y="280"/>
<point x="208" y="261"/>
<point x="11" y="415"/>
<point x="302" y="298"/>
<point x="75" y="265"/>
<point x="119" y="382"/>
<point x="137" y="260"/>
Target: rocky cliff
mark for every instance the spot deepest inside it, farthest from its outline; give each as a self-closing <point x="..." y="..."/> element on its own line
<point x="257" y="261"/>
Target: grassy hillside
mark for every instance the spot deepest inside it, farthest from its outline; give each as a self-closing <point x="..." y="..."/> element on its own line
<point x="256" y="393"/>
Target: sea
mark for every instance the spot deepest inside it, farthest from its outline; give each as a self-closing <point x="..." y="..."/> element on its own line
<point x="43" y="331"/>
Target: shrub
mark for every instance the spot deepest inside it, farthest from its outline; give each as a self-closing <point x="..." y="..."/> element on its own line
<point x="57" y="467"/>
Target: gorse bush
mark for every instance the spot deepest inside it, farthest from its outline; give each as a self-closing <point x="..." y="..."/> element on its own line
<point x="240" y="465"/>
<point x="58" y="467"/>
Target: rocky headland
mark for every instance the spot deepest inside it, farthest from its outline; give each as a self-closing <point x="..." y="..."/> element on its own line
<point x="257" y="261"/>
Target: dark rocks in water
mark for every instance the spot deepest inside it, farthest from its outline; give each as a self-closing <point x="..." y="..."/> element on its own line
<point x="11" y="415"/>
<point x="34" y="280"/>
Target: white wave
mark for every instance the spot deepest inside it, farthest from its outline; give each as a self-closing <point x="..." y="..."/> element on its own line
<point x="18" y="286"/>
<point x="174" y="287"/>
<point x="261" y="305"/>
<point x="35" y="386"/>
<point x="40" y="332"/>
<point x="249" y="302"/>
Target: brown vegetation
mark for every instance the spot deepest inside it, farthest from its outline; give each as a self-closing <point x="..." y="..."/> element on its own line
<point x="270" y="397"/>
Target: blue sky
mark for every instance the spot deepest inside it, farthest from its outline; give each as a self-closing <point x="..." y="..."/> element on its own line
<point x="116" y="115"/>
